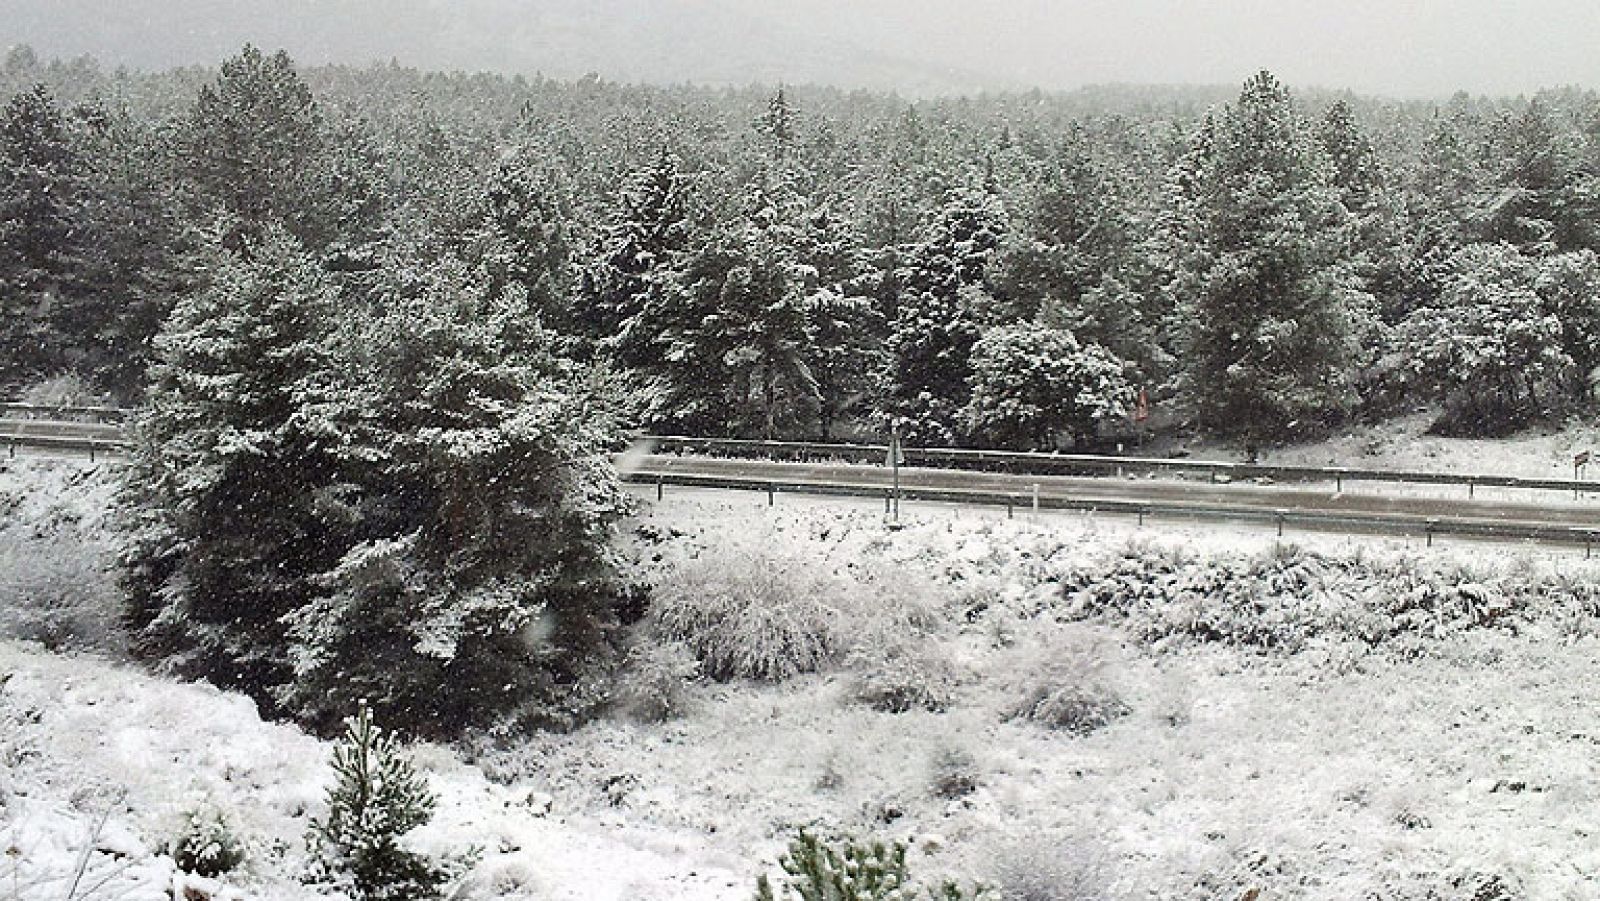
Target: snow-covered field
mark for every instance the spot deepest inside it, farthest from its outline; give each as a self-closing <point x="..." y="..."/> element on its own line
<point x="1450" y="756"/>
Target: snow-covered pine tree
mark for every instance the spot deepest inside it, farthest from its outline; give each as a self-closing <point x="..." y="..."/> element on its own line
<point x="925" y="383"/>
<point x="479" y="582"/>
<point x="1377" y="240"/>
<point x="622" y="286"/>
<point x="525" y="240"/>
<point x="1488" y="344"/>
<point x="929" y="367"/>
<point x="238" y="463"/>
<point x="42" y="204"/>
<point x="1068" y="237"/>
<point x="1031" y="383"/>
<point x="376" y="799"/>
<point x="844" y="333"/>
<point x="253" y="145"/>
<point x="1569" y="286"/>
<point x="779" y="125"/>
<point x="136" y="260"/>
<point x="1273" y="313"/>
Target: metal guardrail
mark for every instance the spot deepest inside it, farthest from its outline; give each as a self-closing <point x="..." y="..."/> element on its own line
<point x="94" y="447"/>
<point x="1428" y="527"/>
<point x="66" y="413"/>
<point x="1081" y="464"/>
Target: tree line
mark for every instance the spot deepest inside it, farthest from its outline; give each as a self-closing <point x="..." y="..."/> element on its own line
<point x="1001" y="270"/>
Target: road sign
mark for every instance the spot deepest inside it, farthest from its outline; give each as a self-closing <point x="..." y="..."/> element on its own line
<point x="1141" y="411"/>
<point x="1580" y="459"/>
<point x="897" y="454"/>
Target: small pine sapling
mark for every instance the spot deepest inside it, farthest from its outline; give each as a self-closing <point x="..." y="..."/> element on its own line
<point x="377" y="799"/>
<point x="853" y="871"/>
<point x="206" y="845"/>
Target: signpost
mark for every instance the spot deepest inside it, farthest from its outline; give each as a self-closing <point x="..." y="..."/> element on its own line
<point x="1579" y="461"/>
<point x="897" y="456"/>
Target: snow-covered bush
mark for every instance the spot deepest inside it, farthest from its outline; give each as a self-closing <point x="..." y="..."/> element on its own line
<point x="651" y="684"/>
<point x="954" y="772"/>
<point x="1062" y="684"/>
<point x="771" y="607"/>
<point x="56" y="581"/>
<point x="1286" y="598"/>
<point x="900" y="675"/>
<point x="1045" y="867"/>
<point x="206" y="845"/>
<point x="55" y="592"/>
<point x="377" y="799"/>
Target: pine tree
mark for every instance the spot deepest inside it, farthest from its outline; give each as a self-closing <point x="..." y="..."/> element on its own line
<point x="1488" y="344"/>
<point x="1377" y="232"/>
<point x="779" y="126"/>
<point x="136" y="261"/>
<point x="1069" y="238"/>
<point x="929" y="369"/>
<point x="1031" y="383"/>
<point x="524" y="240"/>
<point x="623" y="286"/>
<point x="476" y="580"/>
<point x="1568" y="285"/>
<point x="235" y="466"/>
<point x="254" y="147"/>
<point x="936" y="317"/>
<point x="42" y="205"/>
<point x="377" y="798"/>
<point x="1274" y="319"/>
<point x="844" y="334"/>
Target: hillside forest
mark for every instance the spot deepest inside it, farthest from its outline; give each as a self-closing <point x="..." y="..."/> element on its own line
<point x="1004" y="270"/>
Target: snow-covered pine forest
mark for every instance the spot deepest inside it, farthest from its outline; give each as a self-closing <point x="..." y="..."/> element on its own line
<point x="367" y="614"/>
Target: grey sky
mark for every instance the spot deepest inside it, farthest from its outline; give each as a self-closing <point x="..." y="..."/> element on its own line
<point x="1380" y="46"/>
<point x="1397" y="48"/>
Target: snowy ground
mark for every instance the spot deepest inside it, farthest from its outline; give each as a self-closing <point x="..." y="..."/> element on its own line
<point x="1403" y="443"/>
<point x="1462" y="766"/>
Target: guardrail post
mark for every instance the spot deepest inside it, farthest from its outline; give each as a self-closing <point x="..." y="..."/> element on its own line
<point x="1009" y="513"/>
<point x="1141" y="517"/>
<point x="1036" y="498"/>
<point x="888" y="501"/>
<point x="1429" y="529"/>
<point x="91" y="453"/>
<point x="1338" y="483"/>
<point x="661" y="487"/>
<point x="770" y="498"/>
<point x="1281" y="517"/>
<point x="1471" y="485"/>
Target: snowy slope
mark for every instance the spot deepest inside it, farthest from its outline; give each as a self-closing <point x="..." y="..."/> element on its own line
<point x="83" y="739"/>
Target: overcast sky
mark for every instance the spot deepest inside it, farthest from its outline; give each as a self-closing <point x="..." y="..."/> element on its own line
<point x="1408" y="47"/>
<point x="1386" y="47"/>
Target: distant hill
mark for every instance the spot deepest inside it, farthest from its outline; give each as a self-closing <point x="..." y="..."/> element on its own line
<point x="658" y="41"/>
